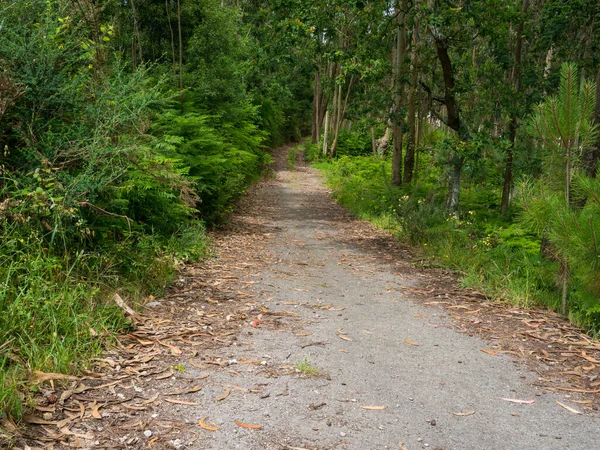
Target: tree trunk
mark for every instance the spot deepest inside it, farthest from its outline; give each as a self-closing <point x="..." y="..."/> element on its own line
<point x="409" y="158"/>
<point x="453" y="198"/>
<point x="172" y="35"/>
<point x="373" y="144"/>
<point x="398" y="61"/>
<point x="514" y="120"/>
<point x="136" y="31"/>
<point x="315" y="111"/>
<point x="180" y="53"/>
<point x="341" y="110"/>
<point x="325" y="132"/>
<point x="453" y="121"/>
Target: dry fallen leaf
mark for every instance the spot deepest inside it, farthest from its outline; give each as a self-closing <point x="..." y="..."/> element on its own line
<point x="150" y="400"/>
<point x="411" y="343"/>
<point x="204" y="425"/>
<point x="373" y="408"/>
<point x="248" y="425"/>
<point x="224" y="395"/>
<point x="94" y="407"/>
<point x="186" y="391"/>
<point x="464" y="414"/>
<point x="181" y="402"/>
<point x="519" y="402"/>
<point x="589" y="358"/>
<point x="346" y="338"/>
<point x="489" y="352"/>
<point x="568" y="408"/>
<point x="175" y="351"/>
<point x="40" y="376"/>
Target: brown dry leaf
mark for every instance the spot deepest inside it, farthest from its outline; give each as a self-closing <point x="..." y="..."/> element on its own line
<point x="175" y="351"/>
<point x="583" y="402"/>
<point x="38" y="420"/>
<point x="152" y="441"/>
<point x="464" y="414"/>
<point x="248" y="425"/>
<point x="206" y="426"/>
<point x="568" y="408"/>
<point x="169" y="374"/>
<point x="346" y="338"/>
<point x="489" y="352"/>
<point x="94" y="408"/>
<point x="224" y="395"/>
<point x="401" y="446"/>
<point x="121" y="303"/>
<point x="150" y="400"/>
<point x="186" y="391"/>
<point x="589" y="358"/>
<point x="133" y="407"/>
<point x="181" y="402"/>
<point x="343" y="351"/>
<point x="588" y="368"/>
<point x="458" y="307"/>
<point x="373" y="408"/>
<point x="475" y="311"/>
<point x="519" y="402"/>
<point x="62" y="423"/>
<point x="40" y="376"/>
<point x="291" y="303"/>
<point x="411" y="343"/>
<point x="583" y="391"/>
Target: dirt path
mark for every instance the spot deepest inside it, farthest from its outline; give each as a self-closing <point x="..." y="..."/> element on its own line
<point x="313" y="327"/>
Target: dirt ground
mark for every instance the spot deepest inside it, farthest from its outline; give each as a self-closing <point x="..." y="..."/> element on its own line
<point x="313" y="330"/>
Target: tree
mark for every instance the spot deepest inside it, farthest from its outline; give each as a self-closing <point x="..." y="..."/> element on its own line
<point x="564" y="125"/>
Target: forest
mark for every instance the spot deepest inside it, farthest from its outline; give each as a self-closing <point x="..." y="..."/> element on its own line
<point x="468" y="128"/>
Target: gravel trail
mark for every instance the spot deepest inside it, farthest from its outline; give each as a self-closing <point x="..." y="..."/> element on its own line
<point x="391" y="373"/>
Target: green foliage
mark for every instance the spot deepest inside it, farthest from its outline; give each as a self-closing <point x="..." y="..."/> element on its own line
<point x="221" y="157"/>
<point x="493" y="255"/>
<point x="354" y="144"/>
<point x="360" y="184"/>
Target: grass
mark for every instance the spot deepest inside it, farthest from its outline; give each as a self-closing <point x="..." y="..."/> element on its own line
<point x="56" y="311"/>
<point x="291" y="157"/>
<point x="306" y="368"/>
<point x="493" y="254"/>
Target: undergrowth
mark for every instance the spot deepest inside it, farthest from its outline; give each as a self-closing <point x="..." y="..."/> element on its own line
<point x="497" y="255"/>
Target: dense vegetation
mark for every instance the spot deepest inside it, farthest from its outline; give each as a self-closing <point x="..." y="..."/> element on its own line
<point x="467" y="127"/>
<point x="470" y="128"/>
<point x="125" y="129"/>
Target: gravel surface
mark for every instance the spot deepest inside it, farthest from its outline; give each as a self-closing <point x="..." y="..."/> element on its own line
<point x="390" y="373"/>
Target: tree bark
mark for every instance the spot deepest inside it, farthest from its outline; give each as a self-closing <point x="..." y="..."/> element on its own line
<point x="514" y="119"/>
<point x="409" y="158"/>
<point x="398" y="61"/>
<point x="172" y="35"/>
<point x="325" y="132"/>
<point x="341" y="110"/>
<point x="136" y="30"/>
<point x="180" y="53"/>
<point x="315" y="111"/>
<point x="453" y="121"/>
<point x="373" y="143"/>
